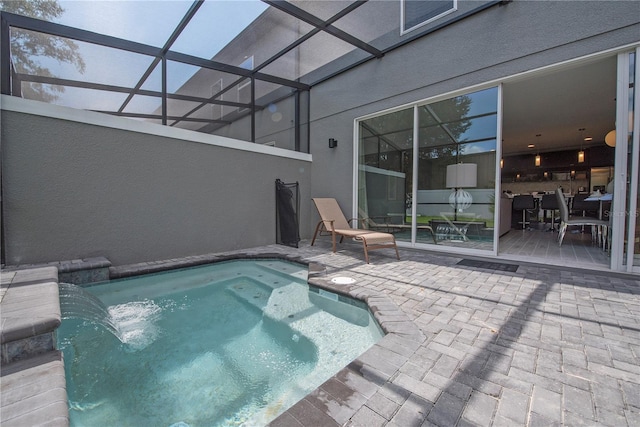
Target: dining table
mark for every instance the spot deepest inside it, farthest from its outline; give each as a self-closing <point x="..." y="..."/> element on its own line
<point x="598" y="197"/>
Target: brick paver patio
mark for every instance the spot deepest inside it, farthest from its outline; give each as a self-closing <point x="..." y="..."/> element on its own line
<point x="536" y="347"/>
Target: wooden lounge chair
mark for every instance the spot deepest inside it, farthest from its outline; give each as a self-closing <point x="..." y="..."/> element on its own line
<point x="333" y="222"/>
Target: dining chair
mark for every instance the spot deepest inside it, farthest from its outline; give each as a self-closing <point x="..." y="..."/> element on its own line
<point x="599" y="227"/>
<point x="524" y="202"/>
<point x="549" y="203"/>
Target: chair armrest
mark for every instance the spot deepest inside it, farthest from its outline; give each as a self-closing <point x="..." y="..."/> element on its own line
<point x="330" y="227"/>
<point x="362" y="222"/>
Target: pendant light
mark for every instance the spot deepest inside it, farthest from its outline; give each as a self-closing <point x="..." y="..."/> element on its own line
<point x="610" y="138"/>
<point x="581" y="152"/>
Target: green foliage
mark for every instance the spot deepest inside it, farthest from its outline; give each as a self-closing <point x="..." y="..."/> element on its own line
<point x="28" y="46"/>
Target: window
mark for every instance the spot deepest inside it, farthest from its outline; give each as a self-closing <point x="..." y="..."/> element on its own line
<point x="244" y="88"/>
<point x="415" y="13"/>
<point x="216" y="108"/>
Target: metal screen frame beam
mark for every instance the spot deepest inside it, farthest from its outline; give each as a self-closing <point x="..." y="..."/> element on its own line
<point x="59" y="30"/>
<point x="172" y="38"/>
<point x="313" y="20"/>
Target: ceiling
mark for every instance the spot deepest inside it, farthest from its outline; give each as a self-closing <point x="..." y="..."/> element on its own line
<point x="556" y="104"/>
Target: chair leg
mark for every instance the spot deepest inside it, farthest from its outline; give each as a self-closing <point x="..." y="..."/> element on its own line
<point x="316" y="233"/>
<point x="365" y="247"/>
<point x="366" y="253"/>
<point x="561" y="231"/>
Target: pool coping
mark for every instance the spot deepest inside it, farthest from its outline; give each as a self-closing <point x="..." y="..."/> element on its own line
<point x="349" y="388"/>
<point x="32" y="378"/>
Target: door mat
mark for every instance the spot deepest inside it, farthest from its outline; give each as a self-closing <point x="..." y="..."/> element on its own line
<point x="489" y="265"/>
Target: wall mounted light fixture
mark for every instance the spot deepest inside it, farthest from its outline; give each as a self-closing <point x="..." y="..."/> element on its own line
<point x="537" y="160"/>
<point x="333" y="143"/>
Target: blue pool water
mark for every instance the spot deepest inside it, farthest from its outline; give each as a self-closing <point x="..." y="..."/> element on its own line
<point x="229" y="344"/>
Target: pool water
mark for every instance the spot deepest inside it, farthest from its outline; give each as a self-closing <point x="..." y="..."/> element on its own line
<point x="235" y="343"/>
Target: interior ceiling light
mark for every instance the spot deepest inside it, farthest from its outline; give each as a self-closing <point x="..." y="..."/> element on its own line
<point x="531" y="146"/>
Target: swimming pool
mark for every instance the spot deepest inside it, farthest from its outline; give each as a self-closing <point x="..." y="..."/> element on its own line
<point x="234" y="343"/>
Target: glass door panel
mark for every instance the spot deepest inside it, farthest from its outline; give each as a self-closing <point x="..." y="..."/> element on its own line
<point x="624" y="236"/>
<point x="632" y="228"/>
<point x="385" y="167"/>
<point x="457" y="168"/>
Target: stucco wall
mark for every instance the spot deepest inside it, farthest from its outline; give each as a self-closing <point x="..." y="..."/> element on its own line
<point x="74" y="190"/>
<point x="497" y="43"/>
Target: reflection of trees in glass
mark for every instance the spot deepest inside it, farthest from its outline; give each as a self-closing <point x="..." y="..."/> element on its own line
<point x="441" y="126"/>
<point x="27" y="46"/>
<point x="386" y="139"/>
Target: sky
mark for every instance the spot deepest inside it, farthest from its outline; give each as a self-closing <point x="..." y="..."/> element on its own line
<point x="150" y="22"/>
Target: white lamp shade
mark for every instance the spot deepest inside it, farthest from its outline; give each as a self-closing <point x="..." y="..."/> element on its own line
<point x="462" y="175"/>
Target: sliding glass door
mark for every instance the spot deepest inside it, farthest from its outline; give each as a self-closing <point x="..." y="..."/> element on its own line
<point x="427" y="172"/>
<point x="625" y="233"/>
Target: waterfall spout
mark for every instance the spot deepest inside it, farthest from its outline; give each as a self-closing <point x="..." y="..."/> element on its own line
<point x="133" y="323"/>
<point x="77" y="303"/>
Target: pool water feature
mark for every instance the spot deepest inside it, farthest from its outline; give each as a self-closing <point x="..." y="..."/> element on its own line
<point x="234" y="343"/>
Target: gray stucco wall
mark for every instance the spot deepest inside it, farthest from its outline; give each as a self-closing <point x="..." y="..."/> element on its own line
<point x="75" y="190"/>
<point x="497" y="43"/>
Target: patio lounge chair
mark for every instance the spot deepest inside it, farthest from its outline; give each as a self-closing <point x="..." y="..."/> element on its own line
<point x="333" y="221"/>
<point x="389" y="227"/>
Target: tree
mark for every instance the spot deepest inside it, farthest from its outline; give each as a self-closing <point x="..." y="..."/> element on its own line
<point x="28" y="46"/>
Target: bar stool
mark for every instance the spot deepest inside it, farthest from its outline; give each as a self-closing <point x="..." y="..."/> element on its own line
<point x="524" y="203"/>
<point x="549" y="203"/>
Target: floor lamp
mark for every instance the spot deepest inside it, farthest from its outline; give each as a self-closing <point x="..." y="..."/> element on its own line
<point x="459" y="176"/>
